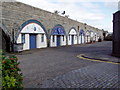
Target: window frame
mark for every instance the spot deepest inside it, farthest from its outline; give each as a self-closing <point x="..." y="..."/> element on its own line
<point x="23" y="38"/>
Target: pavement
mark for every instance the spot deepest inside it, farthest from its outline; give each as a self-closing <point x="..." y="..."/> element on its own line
<point x="95" y="76"/>
<point x="61" y="68"/>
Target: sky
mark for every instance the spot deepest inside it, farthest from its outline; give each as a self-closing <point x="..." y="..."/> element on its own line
<point x="97" y="13"/>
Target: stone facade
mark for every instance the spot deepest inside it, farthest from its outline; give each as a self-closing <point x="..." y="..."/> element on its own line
<point x="116" y="34"/>
<point x="14" y="14"/>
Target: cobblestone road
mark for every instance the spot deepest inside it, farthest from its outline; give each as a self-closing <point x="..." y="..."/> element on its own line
<point x="102" y="75"/>
<point x="60" y="67"/>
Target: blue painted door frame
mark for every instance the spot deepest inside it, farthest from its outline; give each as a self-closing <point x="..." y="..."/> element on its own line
<point x="32" y="41"/>
<point x="72" y="39"/>
<point x="58" y="40"/>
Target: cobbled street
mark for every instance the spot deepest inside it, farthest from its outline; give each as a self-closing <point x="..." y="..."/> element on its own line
<point x="61" y="68"/>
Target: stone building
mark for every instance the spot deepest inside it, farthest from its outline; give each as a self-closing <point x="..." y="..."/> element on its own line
<point x="32" y="27"/>
<point x="116" y="33"/>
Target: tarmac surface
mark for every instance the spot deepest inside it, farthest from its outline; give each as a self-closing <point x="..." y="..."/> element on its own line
<point x="62" y="68"/>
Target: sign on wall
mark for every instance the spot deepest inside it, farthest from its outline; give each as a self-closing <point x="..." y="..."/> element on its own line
<point x="82" y="32"/>
<point x="87" y="33"/>
<point x="58" y="30"/>
<point x="73" y="32"/>
<point x="32" y="28"/>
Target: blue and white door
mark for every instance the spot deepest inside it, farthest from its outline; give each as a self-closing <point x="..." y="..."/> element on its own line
<point x="72" y="39"/>
<point x="82" y="37"/>
<point x="82" y="40"/>
<point x="72" y="36"/>
<point x="87" y="36"/>
<point x="91" y="36"/>
<point x="57" y="37"/>
<point x="32" y="41"/>
<point x="32" y="34"/>
<point x="95" y="36"/>
<point x="58" y="40"/>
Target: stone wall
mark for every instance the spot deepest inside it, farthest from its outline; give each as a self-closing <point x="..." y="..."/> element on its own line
<point x="116" y="34"/>
<point x="14" y="14"/>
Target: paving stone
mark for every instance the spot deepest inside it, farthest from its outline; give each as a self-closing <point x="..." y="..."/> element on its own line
<point x="60" y="68"/>
<point x="86" y="81"/>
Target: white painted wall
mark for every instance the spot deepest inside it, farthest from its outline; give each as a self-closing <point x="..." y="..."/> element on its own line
<point x="63" y="43"/>
<point x="83" y="39"/>
<point x="75" y="39"/>
<point x="39" y="43"/>
<point x="26" y="45"/>
<point x="69" y="39"/>
<point x="53" y="44"/>
<point x="98" y="36"/>
<point x="19" y="40"/>
<point x="91" y="36"/>
<point x="87" y="37"/>
<point x="95" y="37"/>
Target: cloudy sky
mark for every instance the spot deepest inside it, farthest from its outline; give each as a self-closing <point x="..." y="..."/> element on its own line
<point x="97" y="13"/>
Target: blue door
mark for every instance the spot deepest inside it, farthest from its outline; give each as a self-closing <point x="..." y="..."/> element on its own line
<point x="58" y="40"/>
<point x="72" y="39"/>
<point x="32" y="41"/>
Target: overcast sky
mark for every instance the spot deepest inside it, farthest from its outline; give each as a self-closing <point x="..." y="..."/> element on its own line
<point x="97" y="13"/>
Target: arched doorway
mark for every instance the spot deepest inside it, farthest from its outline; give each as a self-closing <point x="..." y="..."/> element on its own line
<point x="91" y="36"/>
<point x="33" y="35"/>
<point x="87" y="36"/>
<point x="82" y="37"/>
<point x="96" y="38"/>
<point x="58" y="36"/>
<point x="72" y="36"/>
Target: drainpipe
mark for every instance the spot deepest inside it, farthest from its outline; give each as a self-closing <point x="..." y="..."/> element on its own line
<point x="12" y="46"/>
